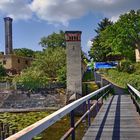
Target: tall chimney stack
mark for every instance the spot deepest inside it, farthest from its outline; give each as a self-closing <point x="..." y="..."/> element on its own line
<point x="8" y="35"/>
<point x="74" y="68"/>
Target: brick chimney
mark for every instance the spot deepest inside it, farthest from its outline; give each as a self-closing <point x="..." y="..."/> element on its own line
<point x="8" y="35"/>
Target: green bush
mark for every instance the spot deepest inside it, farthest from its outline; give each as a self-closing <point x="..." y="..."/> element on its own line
<point x="88" y="76"/>
<point x="2" y="70"/>
<point x="126" y="66"/>
<point x="31" y="79"/>
<point x="122" y="78"/>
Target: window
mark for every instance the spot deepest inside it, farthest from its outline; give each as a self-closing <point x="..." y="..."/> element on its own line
<point x="4" y="62"/>
<point x="70" y="38"/>
<point x="18" y="60"/>
<point x="26" y="62"/>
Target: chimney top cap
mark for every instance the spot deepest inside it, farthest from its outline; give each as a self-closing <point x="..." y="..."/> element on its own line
<point x="8" y="18"/>
<point x="73" y="32"/>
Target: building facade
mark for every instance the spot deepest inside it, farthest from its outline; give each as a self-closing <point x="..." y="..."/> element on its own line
<point x="15" y="64"/>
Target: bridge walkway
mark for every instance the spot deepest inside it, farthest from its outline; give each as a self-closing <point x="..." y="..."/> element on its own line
<point x="116" y="120"/>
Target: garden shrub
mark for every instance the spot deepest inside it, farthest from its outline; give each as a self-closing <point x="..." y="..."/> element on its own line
<point x="126" y="66"/>
<point x="123" y="78"/>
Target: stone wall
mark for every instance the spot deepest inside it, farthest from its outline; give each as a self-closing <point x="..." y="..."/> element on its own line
<point x="20" y="100"/>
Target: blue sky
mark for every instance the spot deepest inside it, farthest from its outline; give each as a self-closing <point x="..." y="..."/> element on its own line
<point x="34" y="19"/>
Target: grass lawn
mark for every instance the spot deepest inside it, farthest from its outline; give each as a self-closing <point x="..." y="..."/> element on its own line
<point x="124" y="78"/>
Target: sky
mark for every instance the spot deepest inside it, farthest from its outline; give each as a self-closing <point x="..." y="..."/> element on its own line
<point x="33" y="19"/>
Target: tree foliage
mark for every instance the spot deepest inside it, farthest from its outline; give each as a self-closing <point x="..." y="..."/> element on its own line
<point x="31" y="78"/>
<point x="119" y="39"/>
<point x="51" y="60"/>
<point x="49" y="66"/>
<point x="24" y="52"/>
<point x="102" y="25"/>
<point x="53" y="40"/>
<point x="97" y="51"/>
<point x="2" y="70"/>
<point x="123" y="37"/>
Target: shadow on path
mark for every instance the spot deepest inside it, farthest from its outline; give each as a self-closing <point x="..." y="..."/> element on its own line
<point x="98" y="136"/>
<point x="116" y="129"/>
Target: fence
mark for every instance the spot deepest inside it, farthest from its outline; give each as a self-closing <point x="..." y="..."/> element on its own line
<point x="36" y="128"/>
<point x="6" y="85"/>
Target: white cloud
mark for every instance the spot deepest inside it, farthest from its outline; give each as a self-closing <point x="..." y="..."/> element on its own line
<point x="62" y="11"/>
<point x="89" y="44"/>
<point x="17" y="9"/>
<point x="114" y="18"/>
<point x="58" y="10"/>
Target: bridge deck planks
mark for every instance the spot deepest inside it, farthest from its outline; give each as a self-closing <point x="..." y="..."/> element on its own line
<point x="117" y="120"/>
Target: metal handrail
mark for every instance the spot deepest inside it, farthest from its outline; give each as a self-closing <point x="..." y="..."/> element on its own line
<point x="36" y="128"/>
<point x="87" y="113"/>
<point x="135" y="91"/>
<point x="135" y="95"/>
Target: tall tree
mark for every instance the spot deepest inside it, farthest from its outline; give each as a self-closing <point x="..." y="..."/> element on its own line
<point x="124" y="36"/>
<point x="53" y="40"/>
<point x="51" y="60"/>
<point x="102" y="25"/>
<point x="98" y="52"/>
<point x="50" y="65"/>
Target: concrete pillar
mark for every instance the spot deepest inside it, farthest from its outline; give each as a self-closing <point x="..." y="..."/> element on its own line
<point x="137" y="54"/>
<point x="74" y="72"/>
<point x="8" y="35"/>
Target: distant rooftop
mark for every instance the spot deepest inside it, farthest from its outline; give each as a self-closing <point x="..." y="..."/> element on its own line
<point x="8" y="18"/>
<point x="72" y="32"/>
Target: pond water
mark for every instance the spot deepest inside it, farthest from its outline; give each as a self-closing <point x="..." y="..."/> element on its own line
<point x="18" y="121"/>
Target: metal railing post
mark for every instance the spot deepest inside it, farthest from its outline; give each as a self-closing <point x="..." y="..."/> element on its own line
<point x="89" y="120"/>
<point x="97" y="104"/>
<point x="72" y="124"/>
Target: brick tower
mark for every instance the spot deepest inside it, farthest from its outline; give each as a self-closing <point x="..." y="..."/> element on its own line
<point x="8" y="35"/>
<point x="74" y="72"/>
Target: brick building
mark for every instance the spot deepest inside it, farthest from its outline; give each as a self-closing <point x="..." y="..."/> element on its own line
<point x="15" y="64"/>
<point x="12" y="63"/>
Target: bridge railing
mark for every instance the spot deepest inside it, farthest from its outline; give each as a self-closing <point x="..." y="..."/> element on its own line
<point x="135" y="95"/>
<point x="36" y="128"/>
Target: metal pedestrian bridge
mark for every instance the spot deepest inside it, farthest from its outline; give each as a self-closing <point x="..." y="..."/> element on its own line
<point x="117" y="118"/>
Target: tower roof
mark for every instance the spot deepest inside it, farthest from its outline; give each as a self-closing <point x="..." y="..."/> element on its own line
<point x="8" y="18"/>
<point x="73" y="32"/>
